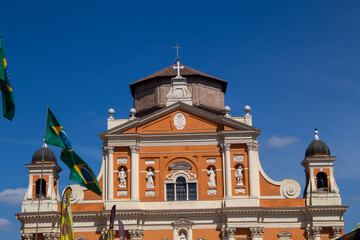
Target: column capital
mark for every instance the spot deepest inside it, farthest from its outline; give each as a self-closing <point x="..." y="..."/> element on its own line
<point x="228" y="232"/>
<point x="337" y="231"/>
<point x="134" y="149"/>
<point x="104" y="233"/>
<point x="110" y="149"/>
<point x="136" y="234"/>
<point x="256" y="231"/>
<point x="104" y="149"/>
<point x="314" y="231"/>
<point x="252" y="146"/>
<point x="226" y="146"/>
<point x="28" y="236"/>
<point x="51" y="236"/>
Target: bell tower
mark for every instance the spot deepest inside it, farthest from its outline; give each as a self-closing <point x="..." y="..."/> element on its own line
<point x="321" y="188"/>
<point x="43" y="182"/>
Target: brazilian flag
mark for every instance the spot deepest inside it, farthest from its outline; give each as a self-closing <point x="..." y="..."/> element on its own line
<point x="5" y="87"/>
<point x="80" y="172"/>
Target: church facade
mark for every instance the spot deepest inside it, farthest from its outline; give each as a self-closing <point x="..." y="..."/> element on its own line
<point x="182" y="168"/>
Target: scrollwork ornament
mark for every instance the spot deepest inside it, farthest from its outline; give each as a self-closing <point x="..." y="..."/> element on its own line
<point x="110" y="149"/>
<point x="316" y="231"/>
<point x="136" y="234"/>
<point x="226" y="146"/>
<point x="256" y="231"/>
<point x="51" y="236"/>
<point x="252" y="146"/>
<point x="228" y="232"/>
<point x="104" y="150"/>
<point x="77" y="194"/>
<point x="134" y="149"/>
<point x="337" y="231"/>
<point x="290" y="189"/>
<point x="28" y="236"/>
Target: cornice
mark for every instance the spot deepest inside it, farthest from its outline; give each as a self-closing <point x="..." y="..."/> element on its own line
<point x="178" y="106"/>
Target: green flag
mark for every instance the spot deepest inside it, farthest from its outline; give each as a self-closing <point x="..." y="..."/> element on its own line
<point x="80" y="172"/>
<point x="5" y="87"/>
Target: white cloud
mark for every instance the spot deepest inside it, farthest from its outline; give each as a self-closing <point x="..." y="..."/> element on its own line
<point x="279" y="142"/>
<point x="356" y="198"/>
<point x="90" y="113"/>
<point x="12" y="196"/>
<point x="6" y="225"/>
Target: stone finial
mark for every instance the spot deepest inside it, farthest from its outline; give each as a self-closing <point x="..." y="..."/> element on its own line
<point x="316" y="134"/>
<point x="247" y="109"/>
<point x="44" y="144"/>
<point x="227" y="111"/>
<point x="132" y="113"/>
<point x="111" y="113"/>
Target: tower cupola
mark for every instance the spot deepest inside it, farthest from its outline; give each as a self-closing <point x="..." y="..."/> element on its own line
<point x="317" y="147"/>
<point x="45" y="152"/>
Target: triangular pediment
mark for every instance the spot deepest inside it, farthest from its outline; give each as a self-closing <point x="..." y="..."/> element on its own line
<point x="179" y="118"/>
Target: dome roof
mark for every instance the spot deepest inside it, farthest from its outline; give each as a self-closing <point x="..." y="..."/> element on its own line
<point x="49" y="156"/>
<point x="317" y="147"/>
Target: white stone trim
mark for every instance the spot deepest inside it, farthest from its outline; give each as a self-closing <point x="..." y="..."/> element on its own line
<point x="289" y="188"/>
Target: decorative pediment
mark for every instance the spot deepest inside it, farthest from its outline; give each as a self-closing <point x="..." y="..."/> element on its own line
<point x="192" y="119"/>
<point x="284" y="235"/>
<point x="182" y="222"/>
<point x="180" y="166"/>
<point x="80" y="238"/>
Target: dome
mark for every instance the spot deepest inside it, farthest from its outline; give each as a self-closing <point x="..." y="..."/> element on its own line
<point x="317" y="147"/>
<point x="49" y="156"/>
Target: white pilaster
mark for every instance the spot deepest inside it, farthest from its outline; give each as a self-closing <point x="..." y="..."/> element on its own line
<point x="312" y="180"/>
<point x="253" y="158"/>
<point x="50" y="187"/>
<point x="223" y="171"/>
<point x="333" y="186"/>
<point x="134" y="172"/>
<point x="110" y="187"/>
<point x="105" y="174"/>
<point x="226" y="150"/>
<point x="29" y="193"/>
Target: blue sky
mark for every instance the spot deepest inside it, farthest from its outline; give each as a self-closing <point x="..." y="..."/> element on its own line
<point x="296" y="63"/>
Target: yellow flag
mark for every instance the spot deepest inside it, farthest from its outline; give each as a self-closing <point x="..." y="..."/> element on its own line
<point x="110" y="234"/>
<point x="66" y="224"/>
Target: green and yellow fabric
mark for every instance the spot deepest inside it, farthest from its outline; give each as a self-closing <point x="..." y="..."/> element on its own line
<point x="66" y="222"/>
<point x="5" y="87"/>
<point x="80" y="172"/>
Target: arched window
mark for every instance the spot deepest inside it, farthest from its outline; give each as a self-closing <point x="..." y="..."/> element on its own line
<point x="40" y="193"/>
<point x="321" y="181"/>
<point x="181" y="190"/>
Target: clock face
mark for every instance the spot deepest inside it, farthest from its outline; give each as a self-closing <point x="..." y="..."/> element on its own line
<point x="179" y="121"/>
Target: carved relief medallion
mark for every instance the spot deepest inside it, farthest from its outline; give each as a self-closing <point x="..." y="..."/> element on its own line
<point x="211" y="160"/>
<point x="122" y="160"/>
<point x="122" y="193"/>
<point x="179" y="121"/>
<point x="238" y="158"/>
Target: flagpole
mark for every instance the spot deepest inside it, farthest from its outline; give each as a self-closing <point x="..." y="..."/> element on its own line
<point x="41" y="175"/>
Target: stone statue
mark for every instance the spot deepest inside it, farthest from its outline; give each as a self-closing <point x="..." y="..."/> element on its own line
<point x="182" y="236"/>
<point x="239" y="175"/>
<point x="150" y="179"/>
<point x="212" y="176"/>
<point x="122" y="178"/>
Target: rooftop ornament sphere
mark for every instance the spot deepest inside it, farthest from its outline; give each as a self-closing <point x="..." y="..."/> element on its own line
<point x="247" y="109"/>
<point x="111" y="113"/>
